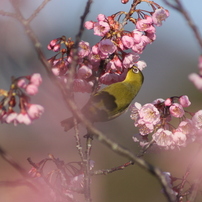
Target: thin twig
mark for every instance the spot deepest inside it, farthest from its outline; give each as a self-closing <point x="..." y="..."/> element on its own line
<point x="179" y="7"/>
<point x="78" y="141"/>
<point x="111" y="170"/>
<point x="36" y="12"/>
<point x="87" y="176"/>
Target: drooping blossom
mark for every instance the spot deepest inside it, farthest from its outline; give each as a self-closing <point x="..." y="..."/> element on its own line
<point x="163" y="138"/>
<point x="35" y="111"/>
<point x="159" y="15"/>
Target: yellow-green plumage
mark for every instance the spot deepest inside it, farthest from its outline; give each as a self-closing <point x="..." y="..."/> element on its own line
<point x="112" y="100"/>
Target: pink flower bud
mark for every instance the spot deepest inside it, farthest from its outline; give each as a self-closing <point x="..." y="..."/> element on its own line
<point x="36" y="79"/>
<point x="22" y="83"/>
<point x="56" y="48"/>
<point x="32" y="89"/>
<point x="34" y="111"/>
<point x="184" y="101"/>
<point x="89" y="24"/>
<point x="168" y="102"/>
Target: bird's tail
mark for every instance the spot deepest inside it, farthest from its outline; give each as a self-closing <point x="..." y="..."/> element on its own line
<point x="67" y="123"/>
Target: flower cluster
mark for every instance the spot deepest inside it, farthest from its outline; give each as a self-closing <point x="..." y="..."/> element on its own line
<point x="19" y="91"/>
<point x="156" y="118"/>
<point x="107" y="61"/>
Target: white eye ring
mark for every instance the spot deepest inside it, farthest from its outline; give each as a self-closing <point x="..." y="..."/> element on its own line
<point x="136" y="70"/>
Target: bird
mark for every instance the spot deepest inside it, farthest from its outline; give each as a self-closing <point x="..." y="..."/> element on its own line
<point x="111" y="101"/>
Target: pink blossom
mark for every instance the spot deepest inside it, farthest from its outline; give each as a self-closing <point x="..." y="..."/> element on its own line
<point x="53" y="42"/>
<point x="35" y="111"/>
<point x="137" y="36"/>
<point x="146" y="128"/>
<point x="124" y="1"/>
<point x="187" y="128"/>
<point x="56" y="48"/>
<point x="11" y="118"/>
<point x="184" y="101"/>
<point x="196" y="80"/>
<point x="84" y="49"/>
<point x="130" y="59"/>
<point x="36" y="79"/>
<point x="109" y="78"/>
<point x="127" y="41"/>
<point x="145" y="117"/>
<point x="101" y="17"/>
<point x="145" y="40"/>
<point x="139" y="47"/>
<point x="179" y="139"/>
<point x="118" y="63"/>
<point x="23" y="118"/>
<point x="53" y="45"/>
<point x="149" y="114"/>
<point x="140" y="139"/>
<point x="158" y="101"/>
<point x="111" y="67"/>
<point x="135" y="111"/>
<point x="83" y="86"/>
<point x="168" y="102"/>
<point x="89" y="24"/>
<point x="55" y="71"/>
<point x="107" y="47"/>
<point x="22" y="83"/>
<point x="197" y="119"/>
<point x="32" y="89"/>
<point x="163" y="138"/>
<point x="145" y="25"/>
<point x="159" y="15"/>
<point x="141" y="64"/>
<point x="176" y="110"/>
<point x="101" y="28"/>
<point x="84" y="72"/>
<point x="120" y="44"/>
<point x="151" y="36"/>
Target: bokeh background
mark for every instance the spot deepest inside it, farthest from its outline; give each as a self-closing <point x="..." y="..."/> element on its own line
<point x="170" y="59"/>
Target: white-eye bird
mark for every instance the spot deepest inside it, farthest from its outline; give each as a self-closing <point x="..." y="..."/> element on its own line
<point x="111" y="101"/>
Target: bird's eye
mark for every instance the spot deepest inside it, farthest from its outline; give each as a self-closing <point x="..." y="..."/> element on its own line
<point x="136" y="70"/>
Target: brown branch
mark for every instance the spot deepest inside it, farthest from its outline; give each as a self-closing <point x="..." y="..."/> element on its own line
<point x="179" y="7"/>
<point x="78" y="141"/>
<point x="8" y="14"/>
<point x="111" y="170"/>
<point x="13" y="163"/>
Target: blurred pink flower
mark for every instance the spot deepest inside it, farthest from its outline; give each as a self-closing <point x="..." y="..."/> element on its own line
<point x="36" y="79"/>
<point x="35" y="111"/>
<point x="23" y="118"/>
<point x="196" y="80"/>
<point x="32" y="89"/>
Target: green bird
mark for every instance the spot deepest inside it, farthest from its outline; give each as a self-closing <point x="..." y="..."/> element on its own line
<point x="111" y="101"/>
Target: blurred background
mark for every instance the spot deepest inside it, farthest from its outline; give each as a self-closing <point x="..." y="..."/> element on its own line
<point x="170" y="59"/>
